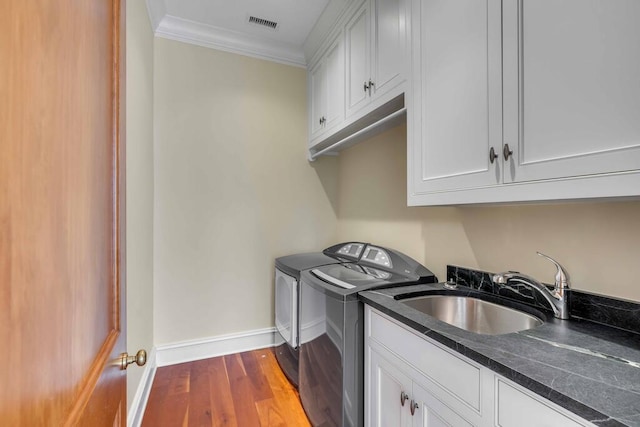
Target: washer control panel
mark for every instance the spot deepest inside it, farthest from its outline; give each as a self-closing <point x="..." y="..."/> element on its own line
<point x="351" y="249"/>
<point x="376" y="255"/>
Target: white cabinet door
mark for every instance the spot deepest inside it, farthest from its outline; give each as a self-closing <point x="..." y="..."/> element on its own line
<point x="334" y="83"/>
<point x="377" y="53"/>
<point x="358" y="41"/>
<point x="389" y="393"/>
<point x="389" y="48"/>
<point x="326" y="89"/>
<point x="571" y="87"/>
<point x="389" y="387"/>
<point x="513" y="403"/>
<point x="317" y="102"/>
<point x="456" y="113"/>
<point x="428" y="411"/>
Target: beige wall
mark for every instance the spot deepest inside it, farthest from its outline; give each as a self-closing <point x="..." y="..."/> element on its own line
<point x="233" y="189"/>
<point x="373" y="206"/>
<point x="139" y="185"/>
<point x="598" y="243"/>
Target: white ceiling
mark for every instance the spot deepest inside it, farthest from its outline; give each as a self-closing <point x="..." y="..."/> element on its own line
<point x="223" y="24"/>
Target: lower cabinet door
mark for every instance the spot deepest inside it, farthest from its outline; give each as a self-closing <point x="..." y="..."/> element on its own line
<point x="389" y="394"/>
<point x="428" y="411"/>
<point x="518" y="409"/>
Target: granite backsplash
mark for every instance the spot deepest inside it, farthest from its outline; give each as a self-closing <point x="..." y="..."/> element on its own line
<point x="602" y="309"/>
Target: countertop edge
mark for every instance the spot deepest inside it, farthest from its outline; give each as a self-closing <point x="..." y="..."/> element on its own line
<point x="578" y="408"/>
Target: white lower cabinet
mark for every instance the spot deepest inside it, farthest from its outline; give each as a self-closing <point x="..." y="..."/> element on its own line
<point x="513" y="404"/>
<point x="387" y="393"/>
<point x="395" y="399"/>
<point x="412" y="381"/>
<point x="431" y="412"/>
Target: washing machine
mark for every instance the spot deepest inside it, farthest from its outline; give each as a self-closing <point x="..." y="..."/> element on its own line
<point x="287" y="298"/>
<point x="331" y="340"/>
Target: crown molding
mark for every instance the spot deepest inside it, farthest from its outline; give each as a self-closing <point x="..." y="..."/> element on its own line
<point x="187" y="31"/>
<point x="156" y="9"/>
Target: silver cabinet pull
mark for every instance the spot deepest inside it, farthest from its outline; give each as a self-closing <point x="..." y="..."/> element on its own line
<point x="492" y="155"/>
<point x="506" y="152"/>
<point x="403" y="397"/>
<point x="413" y="407"/>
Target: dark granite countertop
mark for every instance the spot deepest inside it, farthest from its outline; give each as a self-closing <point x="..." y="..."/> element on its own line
<point x="588" y="368"/>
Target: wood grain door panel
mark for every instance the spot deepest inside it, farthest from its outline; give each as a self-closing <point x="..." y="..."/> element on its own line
<point x="60" y="191"/>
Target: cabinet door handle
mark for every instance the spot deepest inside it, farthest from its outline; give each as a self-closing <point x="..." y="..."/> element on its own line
<point x="506" y="152"/>
<point x="366" y="86"/>
<point x="371" y="84"/>
<point x="492" y="155"/>
<point x="320" y="121"/>
<point x="413" y="407"/>
<point x="403" y="397"/>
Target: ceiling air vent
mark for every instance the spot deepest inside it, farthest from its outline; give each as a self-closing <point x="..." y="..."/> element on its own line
<point x="263" y="22"/>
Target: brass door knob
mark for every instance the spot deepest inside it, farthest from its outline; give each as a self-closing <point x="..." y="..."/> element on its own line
<point x="140" y="359"/>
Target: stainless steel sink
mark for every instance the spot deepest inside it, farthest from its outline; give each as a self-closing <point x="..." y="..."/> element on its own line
<point x="473" y="314"/>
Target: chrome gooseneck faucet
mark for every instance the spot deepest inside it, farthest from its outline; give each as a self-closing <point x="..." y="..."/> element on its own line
<point x="558" y="297"/>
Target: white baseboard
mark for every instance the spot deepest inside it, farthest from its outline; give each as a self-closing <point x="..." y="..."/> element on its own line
<point x="187" y="351"/>
<point x="139" y="403"/>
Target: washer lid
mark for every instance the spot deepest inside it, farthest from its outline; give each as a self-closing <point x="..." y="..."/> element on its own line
<point x="352" y="276"/>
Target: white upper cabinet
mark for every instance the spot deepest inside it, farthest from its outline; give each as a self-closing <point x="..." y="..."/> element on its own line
<point x="377" y="52"/>
<point x="524" y="100"/>
<point x="457" y="109"/>
<point x="358" y="40"/>
<point x="356" y="86"/>
<point x="326" y="88"/>
<point x="572" y="87"/>
<point x="317" y="108"/>
<point x="390" y="49"/>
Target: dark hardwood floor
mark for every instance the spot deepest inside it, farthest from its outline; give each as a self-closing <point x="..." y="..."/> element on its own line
<point x="243" y="390"/>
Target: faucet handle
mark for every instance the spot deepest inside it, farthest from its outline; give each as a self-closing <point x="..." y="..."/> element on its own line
<point x="562" y="277"/>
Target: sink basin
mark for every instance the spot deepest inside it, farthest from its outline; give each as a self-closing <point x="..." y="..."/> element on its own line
<point x="474" y="315"/>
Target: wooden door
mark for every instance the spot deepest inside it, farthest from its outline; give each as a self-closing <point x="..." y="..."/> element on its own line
<point x="61" y="212"/>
